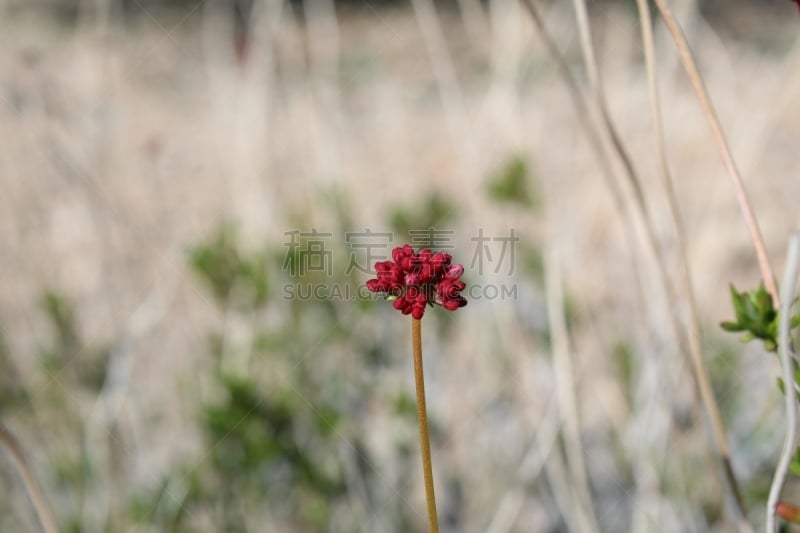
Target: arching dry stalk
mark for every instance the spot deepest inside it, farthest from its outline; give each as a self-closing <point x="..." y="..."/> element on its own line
<point x="790" y="396"/>
<point x="689" y="65"/>
<point x="566" y="391"/>
<point x="693" y="326"/>
<point x="692" y="338"/>
<point x="35" y="492"/>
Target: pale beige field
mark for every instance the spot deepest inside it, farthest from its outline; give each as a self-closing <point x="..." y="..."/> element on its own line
<point x="122" y="146"/>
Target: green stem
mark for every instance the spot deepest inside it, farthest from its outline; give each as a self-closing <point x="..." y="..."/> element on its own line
<point x="424" y="438"/>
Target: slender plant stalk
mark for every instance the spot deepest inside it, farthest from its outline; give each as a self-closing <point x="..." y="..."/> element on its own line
<point x="581" y="107"/>
<point x="424" y="438"/>
<point x="536" y="459"/>
<point x="790" y="395"/>
<point x="582" y="116"/>
<point x="35" y="492"/>
<point x="689" y="65"/>
<point x="693" y="326"/>
<point x="446" y="80"/>
<point x="694" y="343"/>
<point x="567" y="393"/>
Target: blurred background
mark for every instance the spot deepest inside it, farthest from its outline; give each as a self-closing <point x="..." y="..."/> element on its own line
<point x="192" y="193"/>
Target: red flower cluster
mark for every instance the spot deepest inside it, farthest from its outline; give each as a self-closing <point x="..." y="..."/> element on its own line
<point x="419" y="279"/>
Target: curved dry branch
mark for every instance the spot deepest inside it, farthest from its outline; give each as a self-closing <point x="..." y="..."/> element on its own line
<point x="567" y="395"/>
<point x="689" y="65"/>
<point x="790" y="443"/>
<point x="694" y="337"/>
<point x="35" y="492"/>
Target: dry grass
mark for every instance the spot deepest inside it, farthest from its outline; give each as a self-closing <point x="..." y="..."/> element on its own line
<point x="123" y="147"/>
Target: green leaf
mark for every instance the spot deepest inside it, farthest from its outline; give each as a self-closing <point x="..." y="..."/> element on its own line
<point x="405" y="406"/>
<point x="795" y="464"/>
<point x="756" y="316"/>
<point x="436" y="212"/>
<point x="763" y="299"/>
<point x="232" y="275"/>
<point x="770" y="345"/>
<point x="751" y="313"/>
<point x="625" y="365"/>
<point x="772" y="330"/>
<point x="738" y="302"/>
<point x="511" y="184"/>
<point x="732" y="326"/>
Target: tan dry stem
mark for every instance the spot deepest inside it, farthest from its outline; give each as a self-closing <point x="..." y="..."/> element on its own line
<point x="693" y="326"/>
<point x="424" y="438"/>
<point x="691" y="343"/>
<point x="35" y="492"/>
<point x="689" y="65"/>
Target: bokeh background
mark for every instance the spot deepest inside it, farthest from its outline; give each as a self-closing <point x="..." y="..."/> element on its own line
<point x="161" y="161"/>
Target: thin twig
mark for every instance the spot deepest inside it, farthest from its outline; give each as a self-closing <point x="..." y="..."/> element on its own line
<point x="539" y="451"/>
<point x="582" y="115"/>
<point x="567" y="392"/>
<point x="790" y="394"/>
<point x="35" y="492"/>
<point x="646" y="24"/>
<point x="578" y="101"/>
<point x="695" y="352"/>
<point x="424" y="438"/>
<point x="357" y="492"/>
<point x="593" y="73"/>
<point x="472" y="13"/>
<point x="693" y="327"/>
<point x="113" y="395"/>
<point x="696" y="80"/>
<point x="707" y="398"/>
<point x="444" y="71"/>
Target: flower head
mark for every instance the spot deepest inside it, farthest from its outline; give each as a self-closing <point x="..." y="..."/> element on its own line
<point x="417" y="280"/>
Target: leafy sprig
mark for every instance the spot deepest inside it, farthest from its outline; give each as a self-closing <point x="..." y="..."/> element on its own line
<point x="756" y="317"/>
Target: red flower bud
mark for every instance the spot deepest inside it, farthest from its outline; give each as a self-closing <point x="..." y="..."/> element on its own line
<point x="419" y="279"/>
<point x="788" y="512"/>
